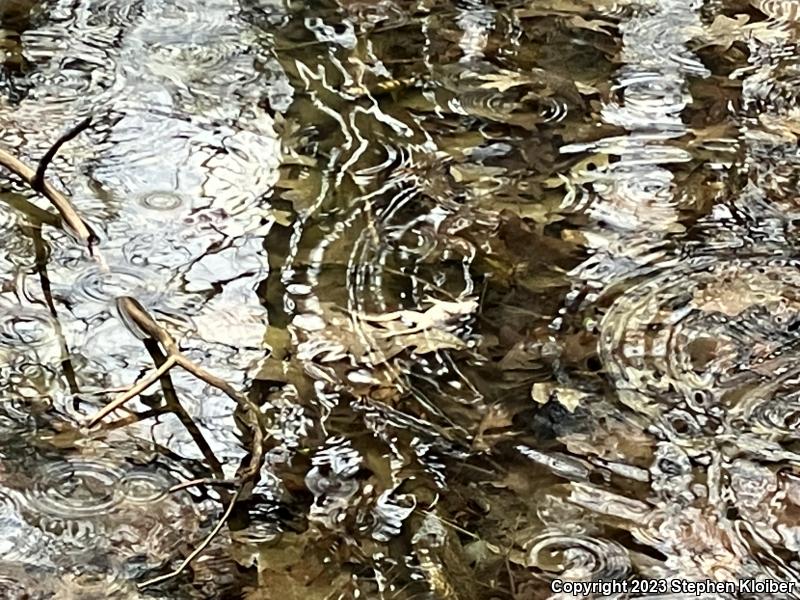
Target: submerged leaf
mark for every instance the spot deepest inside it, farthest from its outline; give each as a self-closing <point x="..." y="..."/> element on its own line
<point x="570" y="399"/>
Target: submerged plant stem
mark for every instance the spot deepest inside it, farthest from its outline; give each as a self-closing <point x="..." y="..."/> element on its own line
<point x="131" y="393"/>
<point x="197" y="551"/>
<point x="143" y="324"/>
<point x="68" y="213"/>
<point x="38" y="180"/>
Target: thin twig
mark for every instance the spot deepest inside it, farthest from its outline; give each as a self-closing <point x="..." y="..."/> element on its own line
<point x="143" y="325"/>
<point x="38" y="180"/>
<point x="69" y="215"/>
<point x="204" y="482"/>
<point x="137" y="389"/>
<point x="44" y="279"/>
<point x="197" y="551"/>
<point x="130" y="420"/>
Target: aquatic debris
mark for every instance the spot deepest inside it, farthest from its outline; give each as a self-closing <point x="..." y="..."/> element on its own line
<point x="68" y="213"/>
<point x="137" y="318"/>
<point x="143" y="325"/>
<point x="328" y="335"/>
<point x="568" y="398"/>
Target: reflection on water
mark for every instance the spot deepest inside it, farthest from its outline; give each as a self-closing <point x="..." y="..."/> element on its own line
<point x="514" y="283"/>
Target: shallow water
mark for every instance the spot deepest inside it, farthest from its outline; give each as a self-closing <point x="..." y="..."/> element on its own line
<point x="515" y="285"/>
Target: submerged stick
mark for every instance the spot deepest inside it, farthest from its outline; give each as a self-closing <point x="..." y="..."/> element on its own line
<point x="174" y="405"/>
<point x="65" y="208"/>
<point x="44" y="279"/>
<point x="131" y="393"/>
<point x="145" y="327"/>
<point x="38" y="180"/>
<point x="197" y="551"/>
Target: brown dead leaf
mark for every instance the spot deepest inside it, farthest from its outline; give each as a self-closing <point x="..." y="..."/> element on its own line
<point x="613" y="441"/>
<point x="496" y="417"/>
<point x="733" y="295"/>
<point x="596" y="25"/>
<point x="724" y="31"/>
<point x="567" y="397"/>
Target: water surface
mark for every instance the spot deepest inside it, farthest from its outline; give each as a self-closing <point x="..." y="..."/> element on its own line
<point x="515" y="285"/>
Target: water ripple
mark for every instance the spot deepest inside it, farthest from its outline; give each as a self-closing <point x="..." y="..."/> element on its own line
<point x="707" y="328"/>
<point x="22" y="542"/>
<point x="782" y="10"/>
<point x="77" y="489"/>
<point x="772" y="410"/>
<point x="162" y="201"/>
<point x="95" y="586"/>
<point x="144" y="487"/>
<point x="103" y="286"/>
<point x="578" y="557"/>
<point x="331" y="481"/>
<point x="26" y="328"/>
<point x="18" y="585"/>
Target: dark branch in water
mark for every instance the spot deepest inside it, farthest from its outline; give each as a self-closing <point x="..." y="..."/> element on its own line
<point x="173" y="404"/>
<point x="197" y="551"/>
<point x="140" y="321"/>
<point x="38" y="180"/>
<point x="69" y="215"/>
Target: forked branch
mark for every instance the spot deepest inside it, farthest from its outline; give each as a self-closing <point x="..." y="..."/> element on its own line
<point x="65" y="208"/>
<point x="153" y="335"/>
<point x="146" y="327"/>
